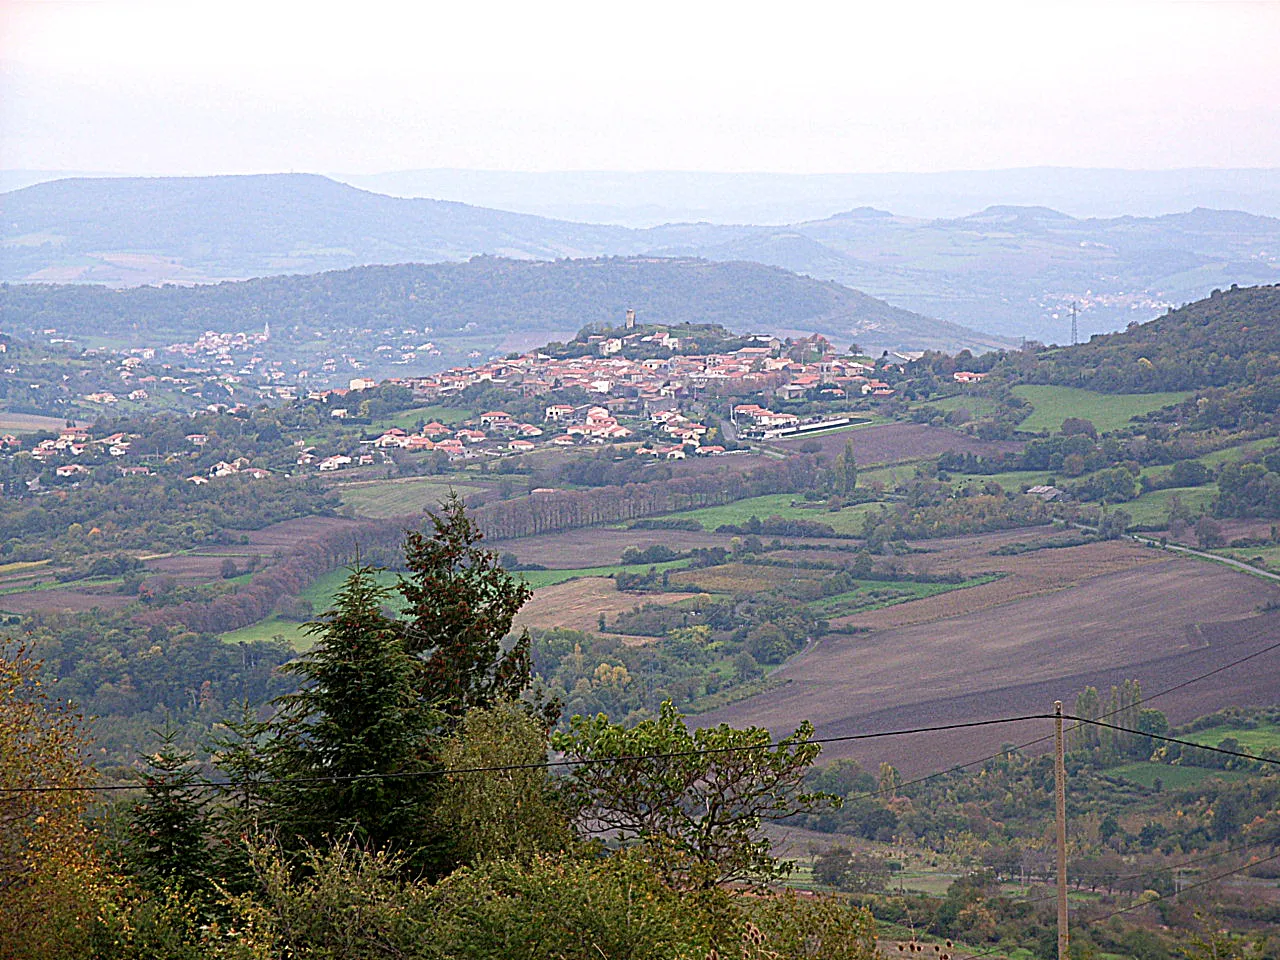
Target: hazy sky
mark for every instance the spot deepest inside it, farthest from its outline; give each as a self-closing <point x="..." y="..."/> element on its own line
<point x="189" y="87"/>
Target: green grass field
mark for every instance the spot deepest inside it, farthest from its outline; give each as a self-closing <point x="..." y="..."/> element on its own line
<point x="1270" y="555"/>
<point x="546" y="578"/>
<point x="408" y="419"/>
<point x="1011" y="480"/>
<point x="892" y="592"/>
<point x="848" y="520"/>
<point x="1107" y="411"/>
<point x="1152" y="509"/>
<point x="385" y="499"/>
<point x="976" y="405"/>
<point x="1145" y="773"/>
<point x="319" y="595"/>
<point x="1216" y="458"/>
<point x="1265" y="736"/>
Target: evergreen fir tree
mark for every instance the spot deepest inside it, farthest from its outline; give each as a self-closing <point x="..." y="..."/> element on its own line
<point x="351" y="743"/>
<point x="461" y="604"/>
<point x="167" y="827"/>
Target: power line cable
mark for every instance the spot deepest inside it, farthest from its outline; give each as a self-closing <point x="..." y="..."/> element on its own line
<point x="1137" y="906"/>
<point x="549" y="764"/>
<point x="1164" y="896"/>
<point x="1185" y="743"/>
<point x="592" y="761"/>
<point x="1146" y="699"/>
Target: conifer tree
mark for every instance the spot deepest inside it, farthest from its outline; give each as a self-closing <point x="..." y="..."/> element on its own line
<point x="846" y="471"/>
<point x="350" y="743"/>
<point x="167" y="827"/>
<point x="460" y="606"/>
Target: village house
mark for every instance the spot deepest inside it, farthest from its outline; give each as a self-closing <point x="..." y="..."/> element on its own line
<point x="336" y="462"/>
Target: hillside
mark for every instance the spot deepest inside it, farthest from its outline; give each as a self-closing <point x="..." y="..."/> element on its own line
<point x="650" y="198"/>
<point x="485" y="295"/>
<point x="1229" y="339"/>
<point x="134" y="230"/>
<point x="1011" y="270"/>
<point x="1014" y="270"/>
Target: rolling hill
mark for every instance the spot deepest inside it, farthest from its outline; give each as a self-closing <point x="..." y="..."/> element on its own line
<point x="484" y="296"/>
<point x="1230" y="339"/>
<point x="1012" y="270"/>
<point x="124" y="231"/>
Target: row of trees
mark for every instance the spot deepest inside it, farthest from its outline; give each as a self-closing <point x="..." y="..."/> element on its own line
<point x="567" y="509"/>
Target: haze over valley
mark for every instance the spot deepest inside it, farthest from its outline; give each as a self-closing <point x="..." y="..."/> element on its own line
<point x="591" y="481"/>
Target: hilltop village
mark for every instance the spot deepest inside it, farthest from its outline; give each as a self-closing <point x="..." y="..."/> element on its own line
<point x="633" y="396"/>
<point x="646" y="388"/>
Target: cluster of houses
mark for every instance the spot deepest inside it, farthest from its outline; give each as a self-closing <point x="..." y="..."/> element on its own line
<point x="648" y="391"/>
<point x="496" y="433"/>
<point x="239" y="467"/>
<point x="74" y="442"/>
<point x="760" y="367"/>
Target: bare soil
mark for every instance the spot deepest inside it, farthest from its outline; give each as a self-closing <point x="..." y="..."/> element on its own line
<point x="1161" y="622"/>
<point x="1024" y="576"/>
<point x="597" y="546"/>
<point x="896" y="442"/>
<point x="60" y="600"/>
<point x="577" y="605"/>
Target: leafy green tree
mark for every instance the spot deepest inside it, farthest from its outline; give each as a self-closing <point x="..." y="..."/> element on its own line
<point x="461" y="604"/>
<point x="1209" y="533"/>
<point x="350" y="903"/>
<point x="697" y="799"/>
<point x="352" y="744"/>
<point x="1113" y="525"/>
<point x="852" y="872"/>
<point x="511" y="813"/>
<point x="846" y="470"/>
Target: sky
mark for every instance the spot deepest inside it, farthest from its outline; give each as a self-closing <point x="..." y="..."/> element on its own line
<point x="185" y="87"/>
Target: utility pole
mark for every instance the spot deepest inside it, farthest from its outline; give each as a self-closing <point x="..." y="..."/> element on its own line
<point x="1060" y="798"/>
<point x="1075" y="334"/>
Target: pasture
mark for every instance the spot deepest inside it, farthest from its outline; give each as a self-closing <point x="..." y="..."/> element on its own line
<point x="1106" y="411"/>
<point x="387" y="499"/>
<point x="1265" y="736"/>
<point x="1145" y="774"/>
<point x="785" y="505"/>
<point x="1151" y="510"/>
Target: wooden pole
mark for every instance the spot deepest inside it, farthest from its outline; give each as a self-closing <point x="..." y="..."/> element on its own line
<point x="1060" y="797"/>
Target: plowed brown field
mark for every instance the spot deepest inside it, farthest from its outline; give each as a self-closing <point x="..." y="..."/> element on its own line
<point x="1108" y="612"/>
<point x="896" y="442"/>
<point x="577" y="604"/>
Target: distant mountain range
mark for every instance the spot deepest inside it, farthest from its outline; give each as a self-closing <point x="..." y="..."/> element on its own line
<point x="484" y="297"/>
<point x="1013" y="271"/>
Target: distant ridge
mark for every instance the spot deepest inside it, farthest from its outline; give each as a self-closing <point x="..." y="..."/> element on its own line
<point x="1012" y="270"/>
<point x="489" y="295"/>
